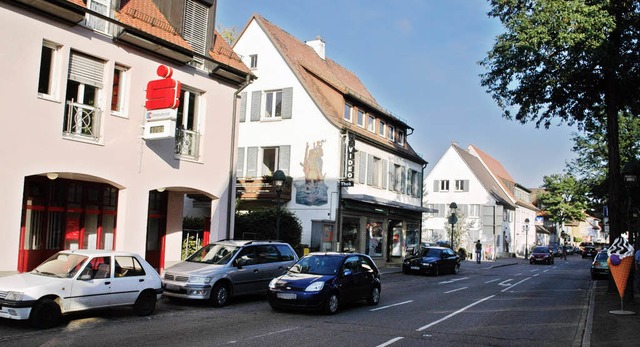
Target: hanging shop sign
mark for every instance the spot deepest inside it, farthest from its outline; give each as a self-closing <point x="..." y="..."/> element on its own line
<point x="163" y="99"/>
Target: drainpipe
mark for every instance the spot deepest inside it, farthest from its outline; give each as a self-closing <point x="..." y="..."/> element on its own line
<point x="232" y="175"/>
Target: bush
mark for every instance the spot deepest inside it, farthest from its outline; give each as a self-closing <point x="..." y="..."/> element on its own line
<point x="261" y="225"/>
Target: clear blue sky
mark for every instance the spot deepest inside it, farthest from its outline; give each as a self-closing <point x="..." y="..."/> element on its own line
<point x="419" y="60"/>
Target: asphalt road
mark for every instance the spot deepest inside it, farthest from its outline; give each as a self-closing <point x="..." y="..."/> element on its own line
<point x="517" y="305"/>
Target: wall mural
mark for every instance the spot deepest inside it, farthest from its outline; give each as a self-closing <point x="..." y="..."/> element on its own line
<point x="312" y="191"/>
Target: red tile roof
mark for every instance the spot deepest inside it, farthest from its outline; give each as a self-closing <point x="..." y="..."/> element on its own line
<point x="223" y="53"/>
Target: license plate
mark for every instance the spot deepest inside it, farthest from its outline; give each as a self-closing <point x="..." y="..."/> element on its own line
<point x="415" y="268"/>
<point x="287" y="296"/>
<point x="172" y="287"/>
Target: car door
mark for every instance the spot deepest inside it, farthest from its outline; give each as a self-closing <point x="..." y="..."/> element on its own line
<point x="244" y="271"/>
<point x="129" y="279"/>
<point x="449" y="259"/>
<point x="91" y="288"/>
<point x="351" y="279"/>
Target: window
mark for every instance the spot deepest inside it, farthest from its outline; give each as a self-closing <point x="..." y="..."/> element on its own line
<point x="474" y="211"/>
<point x="118" y="90"/>
<point x="195" y="28"/>
<point x="413" y="183"/>
<point x="377" y="166"/>
<point x="361" y="118"/>
<point x="347" y="112"/>
<point x="253" y="61"/>
<point x="47" y="79"/>
<point x="84" y="89"/>
<point x="269" y="160"/>
<point x="400" y="137"/>
<point x="263" y="161"/>
<point x="102" y="7"/>
<point x="273" y="104"/>
<point x="392" y="133"/>
<point x="187" y="123"/>
<point x="459" y="185"/>
<point x="397" y="175"/>
<point x="128" y="267"/>
<point x="371" y="124"/>
<point x="444" y="186"/>
<point x="382" y="130"/>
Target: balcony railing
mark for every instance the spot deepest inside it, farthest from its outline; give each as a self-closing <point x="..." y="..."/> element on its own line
<point x="187" y="143"/>
<point x="261" y="189"/>
<point x="82" y="121"/>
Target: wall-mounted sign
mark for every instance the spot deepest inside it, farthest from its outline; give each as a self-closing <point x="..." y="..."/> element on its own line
<point x="163" y="99"/>
<point x="350" y="157"/>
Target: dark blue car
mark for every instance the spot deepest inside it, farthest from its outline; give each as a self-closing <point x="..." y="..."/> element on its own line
<point x="433" y="261"/>
<point x="326" y="281"/>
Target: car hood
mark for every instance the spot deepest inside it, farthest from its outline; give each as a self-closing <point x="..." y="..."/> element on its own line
<point x="22" y="282"/>
<point x="300" y="279"/>
<point x="194" y="269"/>
<point x="541" y="254"/>
<point x="418" y="259"/>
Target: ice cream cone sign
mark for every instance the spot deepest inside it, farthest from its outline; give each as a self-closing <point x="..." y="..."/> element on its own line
<point x="620" y="262"/>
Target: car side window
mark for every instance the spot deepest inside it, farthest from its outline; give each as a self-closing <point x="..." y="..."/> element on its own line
<point x="286" y="253"/>
<point x="97" y="268"/>
<point x="267" y="254"/>
<point x="365" y="264"/>
<point x="126" y="266"/>
<point x="352" y="264"/>
<point x="247" y="256"/>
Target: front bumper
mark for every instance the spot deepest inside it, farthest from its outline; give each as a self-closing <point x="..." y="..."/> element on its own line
<point x="186" y="291"/>
<point x="310" y="301"/>
<point x="18" y="310"/>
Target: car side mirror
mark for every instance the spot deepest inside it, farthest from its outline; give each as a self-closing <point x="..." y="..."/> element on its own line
<point x="239" y="263"/>
<point x="84" y="277"/>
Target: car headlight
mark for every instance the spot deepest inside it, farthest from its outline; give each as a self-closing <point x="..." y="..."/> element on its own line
<point x="199" y="279"/>
<point x="14" y="296"/>
<point x="273" y="282"/>
<point x="315" y="287"/>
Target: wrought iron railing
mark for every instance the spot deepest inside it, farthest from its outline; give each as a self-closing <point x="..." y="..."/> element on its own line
<point x="187" y="143"/>
<point x="82" y="121"/>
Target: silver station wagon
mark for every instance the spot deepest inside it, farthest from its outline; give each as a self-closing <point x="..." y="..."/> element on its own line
<point x="224" y="269"/>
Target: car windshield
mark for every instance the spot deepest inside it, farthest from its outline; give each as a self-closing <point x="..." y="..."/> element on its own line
<point x="214" y="253"/>
<point x="318" y="265"/>
<point x="61" y="265"/>
<point x="541" y="250"/>
<point x="431" y="252"/>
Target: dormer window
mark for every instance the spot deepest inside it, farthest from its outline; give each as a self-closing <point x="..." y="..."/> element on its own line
<point x="392" y="133"/>
<point x="400" y="137"/>
<point x="382" y="129"/>
<point x="194" y="30"/>
<point x="361" y="118"/>
<point x="348" y="110"/>
<point x="371" y="124"/>
<point x="102" y="7"/>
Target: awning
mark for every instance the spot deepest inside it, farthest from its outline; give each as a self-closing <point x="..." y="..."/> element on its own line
<point x="368" y="199"/>
<point x="542" y="230"/>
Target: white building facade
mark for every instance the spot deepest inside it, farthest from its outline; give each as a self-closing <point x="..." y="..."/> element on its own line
<point x="78" y="170"/>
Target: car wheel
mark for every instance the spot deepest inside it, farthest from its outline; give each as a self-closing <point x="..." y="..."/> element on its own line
<point x="436" y="271"/>
<point x="531" y="262"/>
<point x="145" y="304"/>
<point x="374" y="296"/>
<point x="220" y="295"/>
<point x="332" y="304"/>
<point x="456" y="268"/>
<point x="45" y="314"/>
<point x="274" y="306"/>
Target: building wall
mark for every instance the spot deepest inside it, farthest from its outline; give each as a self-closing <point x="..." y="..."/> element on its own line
<point x="33" y="142"/>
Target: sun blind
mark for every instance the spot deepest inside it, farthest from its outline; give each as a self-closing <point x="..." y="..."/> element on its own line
<point x="195" y="25"/>
<point x="85" y="69"/>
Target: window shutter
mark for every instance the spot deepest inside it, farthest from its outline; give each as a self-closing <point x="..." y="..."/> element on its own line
<point x="384" y="177"/>
<point x="466" y="185"/>
<point x="392" y="177"/>
<point x="420" y="183"/>
<point x="284" y="154"/>
<point x="85" y="69"/>
<point x="252" y="162"/>
<point x="370" y="169"/>
<point x="195" y="26"/>
<point x="287" y="103"/>
<point x="243" y="106"/>
<point x="403" y="182"/>
<point x="362" y="167"/>
<point x="436" y="185"/>
<point x="240" y="163"/>
<point x="256" y="100"/>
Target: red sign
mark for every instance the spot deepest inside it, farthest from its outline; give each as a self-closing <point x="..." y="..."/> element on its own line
<point x="164" y="93"/>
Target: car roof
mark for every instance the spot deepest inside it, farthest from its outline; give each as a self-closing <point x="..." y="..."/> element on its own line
<point x="335" y="254"/>
<point x="248" y="242"/>
<point x="97" y="252"/>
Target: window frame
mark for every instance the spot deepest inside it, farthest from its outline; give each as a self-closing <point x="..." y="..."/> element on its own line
<point x="53" y="78"/>
<point x="459" y="185"/>
<point x="276" y="160"/>
<point x="391" y="132"/>
<point x="274" y="107"/>
<point x="382" y="128"/>
<point x="444" y="186"/>
<point x="122" y="90"/>
<point x="400" y="137"/>
<point x="361" y="117"/>
<point x="348" y="112"/>
<point x="371" y="123"/>
<point x="253" y="61"/>
<point x="191" y="124"/>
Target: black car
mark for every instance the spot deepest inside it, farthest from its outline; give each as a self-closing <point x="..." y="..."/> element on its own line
<point x="326" y="281"/>
<point x="589" y="252"/>
<point x="541" y="254"/>
<point x="433" y="261"/>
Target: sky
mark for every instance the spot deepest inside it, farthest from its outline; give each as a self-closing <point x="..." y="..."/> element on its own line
<point x="419" y="60"/>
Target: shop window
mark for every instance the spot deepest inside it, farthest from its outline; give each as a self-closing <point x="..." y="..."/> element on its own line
<point x="374" y="238"/>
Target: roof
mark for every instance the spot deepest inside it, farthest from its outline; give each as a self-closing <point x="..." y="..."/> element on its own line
<point x="320" y="77"/>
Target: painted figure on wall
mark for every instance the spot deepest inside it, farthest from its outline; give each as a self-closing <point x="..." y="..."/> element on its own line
<point x="313" y="191"/>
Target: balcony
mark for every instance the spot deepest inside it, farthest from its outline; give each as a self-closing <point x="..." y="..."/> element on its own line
<point x="187" y="143"/>
<point x="61" y="9"/>
<point x="260" y="192"/>
<point x="82" y="121"/>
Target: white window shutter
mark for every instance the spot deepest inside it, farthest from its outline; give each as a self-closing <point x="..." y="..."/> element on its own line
<point x="85" y="69"/>
<point x="196" y="16"/>
<point x="284" y="154"/>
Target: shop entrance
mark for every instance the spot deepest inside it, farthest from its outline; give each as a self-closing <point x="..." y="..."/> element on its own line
<point x="156" y="228"/>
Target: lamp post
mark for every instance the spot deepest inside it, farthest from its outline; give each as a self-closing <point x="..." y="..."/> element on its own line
<point x="453" y="219"/>
<point x="526" y="238"/>
<point x="278" y="183"/>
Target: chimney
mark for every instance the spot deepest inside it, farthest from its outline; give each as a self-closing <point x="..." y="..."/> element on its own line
<point x="318" y="46"/>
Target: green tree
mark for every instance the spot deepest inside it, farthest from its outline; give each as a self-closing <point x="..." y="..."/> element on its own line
<point x="261" y="225"/>
<point x="572" y="60"/>
<point x="563" y="199"/>
<point x="460" y="229"/>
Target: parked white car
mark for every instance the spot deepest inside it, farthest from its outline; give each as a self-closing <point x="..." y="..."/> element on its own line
<point x="79" y="280"/>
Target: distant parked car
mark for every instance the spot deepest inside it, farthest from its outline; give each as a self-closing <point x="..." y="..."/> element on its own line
<point x="228" y="268"/>
<point x="600" y="266"/>
<point x="79" y="280"/>
<point x="433" y="261"/>
<point x="541" y="254"/>
<point x="589" y="252"/>
<point x="326" y="281"/>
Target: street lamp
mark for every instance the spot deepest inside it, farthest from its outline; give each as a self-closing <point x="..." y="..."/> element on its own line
<point x="453" y="219"/>
<point x="278" y="183"/>
<point x="630" y="172"/>
<point x="526" y="238"/>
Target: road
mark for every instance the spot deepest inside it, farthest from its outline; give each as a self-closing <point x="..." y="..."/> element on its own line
<point x="517" y="305"/>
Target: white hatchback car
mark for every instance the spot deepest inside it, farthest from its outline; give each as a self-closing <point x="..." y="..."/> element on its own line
<point x="79" y="280"/>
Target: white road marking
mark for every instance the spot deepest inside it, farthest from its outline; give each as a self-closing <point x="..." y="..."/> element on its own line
<point x="383" y="307"/>
<point x="455" y="290"/>
<point x="454" y="313"/>
<point x="455" y="280"/>
<point x="515" y="284"/>
<point x="505" y="282"/>
<point x="393" y="340"/>
<point x="497" y="279"/>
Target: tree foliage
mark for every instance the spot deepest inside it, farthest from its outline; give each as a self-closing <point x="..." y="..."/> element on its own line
<point x="261" y="225"/>
<point x="572" y="60"/>
<point x="563" y="198"/>
<point x="228" y="34"/>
